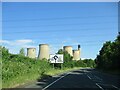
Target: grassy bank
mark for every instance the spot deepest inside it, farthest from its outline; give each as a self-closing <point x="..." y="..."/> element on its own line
<point x="18" y="69"/>
<point x="21" y="80"/>
<point x="53" y="72"/>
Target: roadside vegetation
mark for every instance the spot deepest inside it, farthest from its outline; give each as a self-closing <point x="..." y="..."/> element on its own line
<point x="18" y="69"/>
<point x="69" y="63"/>
<point x="108" y="58"/>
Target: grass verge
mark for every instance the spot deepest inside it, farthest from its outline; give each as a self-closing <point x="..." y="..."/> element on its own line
<point x="27" y="79"/>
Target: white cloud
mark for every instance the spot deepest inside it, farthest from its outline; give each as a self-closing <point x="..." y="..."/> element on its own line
<point x="17" y="42"/>
<point x="20" y="42"/>
<point x="4" y="41"/>
<point x="24" y="41"/>
<point x="15" y="45"/>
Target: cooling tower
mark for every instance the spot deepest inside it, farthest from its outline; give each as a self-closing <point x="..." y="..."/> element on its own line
<point x="68" y="49"/>
<point x="43" y="51"/>
<point x="76" y="55"/>
<point x="31" y="52"/>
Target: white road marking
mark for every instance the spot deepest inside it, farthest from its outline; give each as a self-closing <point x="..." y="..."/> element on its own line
<point x="55" y="81"/>
<point x="88" y="77"/>
<point x="115" y="87"/>
<point x="99" y="86"/>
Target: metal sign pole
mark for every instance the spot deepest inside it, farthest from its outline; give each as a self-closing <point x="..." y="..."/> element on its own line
<point x="61" y="66"/>
<point x="53" y="65"/>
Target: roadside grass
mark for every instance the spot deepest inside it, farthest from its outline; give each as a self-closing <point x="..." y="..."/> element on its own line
<point x="20" y="80"/>
<point x="53" y="72"/>
<point x="30" y="78"/>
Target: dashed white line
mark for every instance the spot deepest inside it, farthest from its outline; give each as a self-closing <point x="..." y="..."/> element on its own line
<point x="55" y="81"/>
<point x="99" y="86"/>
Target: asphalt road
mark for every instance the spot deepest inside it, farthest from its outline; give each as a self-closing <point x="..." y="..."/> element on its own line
<point x="79" y="79"/>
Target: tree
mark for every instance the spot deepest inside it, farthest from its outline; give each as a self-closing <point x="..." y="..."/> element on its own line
<point x="22" y="52"/>
<point x="60" y="51"/>
<point x="109" y="55"/>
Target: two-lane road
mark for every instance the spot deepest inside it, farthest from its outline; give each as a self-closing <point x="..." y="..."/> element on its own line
<point x="79" y="79"/>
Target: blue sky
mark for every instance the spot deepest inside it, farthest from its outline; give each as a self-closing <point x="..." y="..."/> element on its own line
<point x="58" y="24"/>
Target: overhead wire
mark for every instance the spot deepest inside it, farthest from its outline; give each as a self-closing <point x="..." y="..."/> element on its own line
<point x="57" y="18"/>
<point x="57" y="30"/>
<point x="4" y="26"/>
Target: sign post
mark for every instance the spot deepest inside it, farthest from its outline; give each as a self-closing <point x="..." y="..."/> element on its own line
<point x="56" y="58"/>
<point x="53" y="65"/>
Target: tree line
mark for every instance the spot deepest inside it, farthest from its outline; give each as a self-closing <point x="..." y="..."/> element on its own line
<point x="109" y="55"/>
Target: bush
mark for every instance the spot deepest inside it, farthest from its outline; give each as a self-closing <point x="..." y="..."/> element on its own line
<point x="17" y="66"/>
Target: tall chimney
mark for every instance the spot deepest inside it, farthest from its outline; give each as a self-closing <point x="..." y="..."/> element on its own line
<point x="78" y="47"/>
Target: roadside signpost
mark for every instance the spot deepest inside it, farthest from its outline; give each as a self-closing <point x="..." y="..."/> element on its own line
<point x="56" y="58"/>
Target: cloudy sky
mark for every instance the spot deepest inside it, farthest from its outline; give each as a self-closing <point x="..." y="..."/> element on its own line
<point x="58" y="24"/>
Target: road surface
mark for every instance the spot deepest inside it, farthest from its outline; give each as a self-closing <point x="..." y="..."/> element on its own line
<point x="79" y="79"/>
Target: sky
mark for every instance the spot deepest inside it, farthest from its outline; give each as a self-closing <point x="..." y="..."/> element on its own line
<point x="28" y="24"/>
<point x="60" y="0"/>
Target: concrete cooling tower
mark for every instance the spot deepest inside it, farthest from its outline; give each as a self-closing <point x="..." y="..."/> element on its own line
<point x="43" y="51"/>
<point x="68" y="49"/>
<point x="76" y="55"/>
<point x="31" y="52"/>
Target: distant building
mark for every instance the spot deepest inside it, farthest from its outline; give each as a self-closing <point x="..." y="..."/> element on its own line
<point x="43" y="51"/>
<point x="31" y="52"/>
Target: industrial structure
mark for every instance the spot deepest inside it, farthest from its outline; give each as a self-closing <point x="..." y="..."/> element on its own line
<point x="74" y="53"/>
<point x="43" y="51"/>
<point x="31" y="52"/>
<point x="68" y="49"/>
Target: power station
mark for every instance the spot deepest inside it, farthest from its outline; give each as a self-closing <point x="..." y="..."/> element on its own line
<point x="68" y="49"/>
<point x="31" y="52"/>
<point x="44" y="52"/>
<point x="74" y="53"/>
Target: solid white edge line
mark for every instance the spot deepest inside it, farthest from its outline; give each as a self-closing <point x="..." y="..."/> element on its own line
<point x="55" y="81"/>
<point x="99" y="86"/>
<point x="115" y="87"/>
